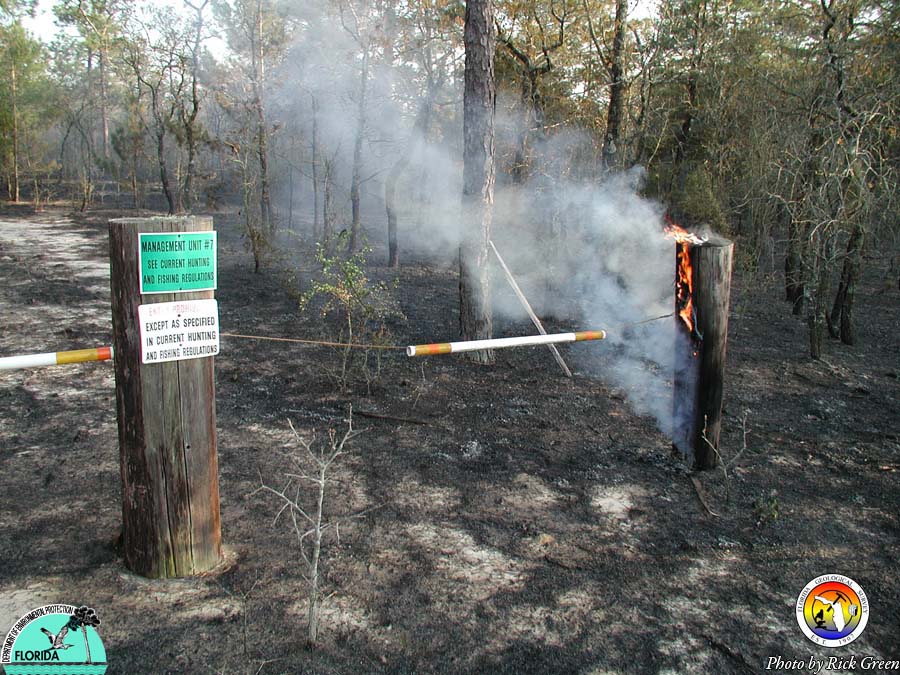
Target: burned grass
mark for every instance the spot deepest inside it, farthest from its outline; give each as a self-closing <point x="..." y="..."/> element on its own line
<point x="518" y="522"/>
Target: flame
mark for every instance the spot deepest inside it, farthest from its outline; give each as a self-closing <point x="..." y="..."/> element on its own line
<point x="681" y="235"/>
<point x="684" y="281"/>
<point x="684" y="286"/>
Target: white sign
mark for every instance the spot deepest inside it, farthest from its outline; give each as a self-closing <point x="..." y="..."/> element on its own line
<point x="174" y="331"/>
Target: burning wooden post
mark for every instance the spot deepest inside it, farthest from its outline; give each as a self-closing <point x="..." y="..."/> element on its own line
<point x="702" y="293"/>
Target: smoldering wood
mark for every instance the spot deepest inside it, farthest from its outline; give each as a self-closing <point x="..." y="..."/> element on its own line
<point x="167" y="426"/>
<point x="700" y="364"/>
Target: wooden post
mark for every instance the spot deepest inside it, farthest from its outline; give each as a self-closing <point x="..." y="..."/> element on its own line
<point x="167" y="426"/>
<point x="700" y="351"/>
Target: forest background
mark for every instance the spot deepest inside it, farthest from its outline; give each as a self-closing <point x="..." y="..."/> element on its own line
<point x="774" y="123"/>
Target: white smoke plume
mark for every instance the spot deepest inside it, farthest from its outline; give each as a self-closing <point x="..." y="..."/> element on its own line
<point x="613" y="269"/>
<point x="586" y="247"/>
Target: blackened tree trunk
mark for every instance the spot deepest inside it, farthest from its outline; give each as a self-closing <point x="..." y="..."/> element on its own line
<point x="356" y="179"/>
<point x="803" y="270"/>
<point x="189" y="116"/>
<point x="475" y="311"/>
<point x="328" y="206"/>
<point x="104" y="104"/>
<point x="135" y="165"/>
<point x="819" y="275"/>
<point x="390" y="206"/>
<point x="831" y="117"/>
<point x="190" y="141"/>
<point x="616" y="87"/>
<point x="793" y="268"/>
<point x="840" y="323"/>
<point x="683" y="135"/>
<point x="315" y="164"/>
<point x="13" y="185"/>
<point x="265" y="201"/>
<point x="159" y="121"/>
<point x="533" y="123"/>
<point x="698" y="24"/>
<point x="419" y="131"/>
<point x="262" y="134"/>
<point x="163" y="170"/>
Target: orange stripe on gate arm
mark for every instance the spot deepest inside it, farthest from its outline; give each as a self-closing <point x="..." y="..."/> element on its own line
<point x="436" y="348"/>
<point x="590" y="335"/>
<point x="82" y="355"/>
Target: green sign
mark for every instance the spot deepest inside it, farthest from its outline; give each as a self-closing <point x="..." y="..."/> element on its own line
<point x="177" y="262"/>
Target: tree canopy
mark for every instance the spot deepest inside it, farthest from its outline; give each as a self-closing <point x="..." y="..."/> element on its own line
<point x="773" y="122"/>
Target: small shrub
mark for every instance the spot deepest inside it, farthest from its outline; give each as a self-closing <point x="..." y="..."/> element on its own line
<point x="766" y="508"/>
<point x="313" y="464"/>
<point x="358" y="307"/>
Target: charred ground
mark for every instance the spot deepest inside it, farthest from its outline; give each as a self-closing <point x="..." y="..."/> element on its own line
<point x="522" y="523"/>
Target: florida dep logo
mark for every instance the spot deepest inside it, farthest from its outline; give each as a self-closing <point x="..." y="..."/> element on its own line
<point x="55" y="640"/>
<point x="832" y="610"/>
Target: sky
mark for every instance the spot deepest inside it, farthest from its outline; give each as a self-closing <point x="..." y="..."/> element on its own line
<point x="44" y="27"/>
<point x="43" y="24"/>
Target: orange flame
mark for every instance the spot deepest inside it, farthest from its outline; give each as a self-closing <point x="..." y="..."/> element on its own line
<point x="681" y="235"/>
<point x="684" y="281"/>
<point x="684" y="286"/>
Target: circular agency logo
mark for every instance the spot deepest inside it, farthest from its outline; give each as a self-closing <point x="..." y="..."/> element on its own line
<point x="832" y="610"/>
<point x="45" y="642"/>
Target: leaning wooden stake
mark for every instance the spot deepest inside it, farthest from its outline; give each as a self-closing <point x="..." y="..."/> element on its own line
<point x="534" y="319"/>
<point x="167" y="426"/>
<point x="700" y="348"/>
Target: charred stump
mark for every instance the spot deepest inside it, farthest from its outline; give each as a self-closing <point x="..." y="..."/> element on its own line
<point x="703" y="290"/>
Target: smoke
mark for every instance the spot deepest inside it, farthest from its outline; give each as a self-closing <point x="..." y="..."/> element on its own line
<point x="632" y="282"/>
<point x="586" y="247"/>
<point x="602" y="262"/>
<point x="341" y="78"/>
